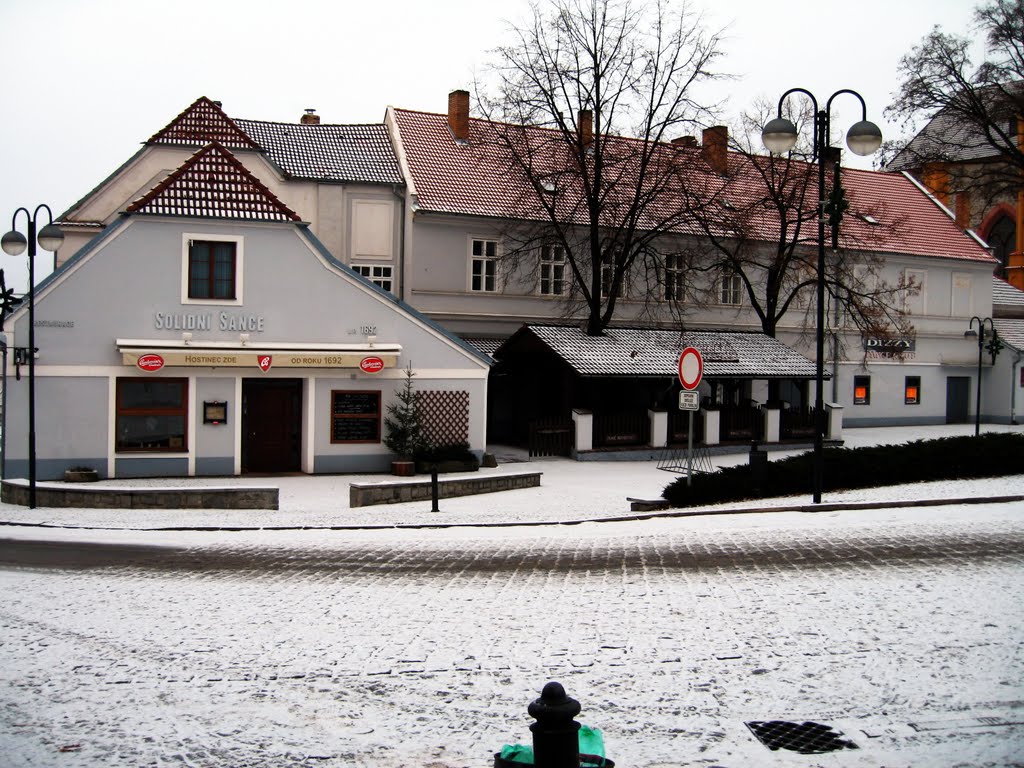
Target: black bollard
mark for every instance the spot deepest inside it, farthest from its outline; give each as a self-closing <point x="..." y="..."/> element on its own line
<point x="433" y="488"/>
<point x="556" y="738"/>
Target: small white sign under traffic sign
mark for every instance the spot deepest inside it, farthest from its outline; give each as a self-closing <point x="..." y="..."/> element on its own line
<point x="689" y="401"/>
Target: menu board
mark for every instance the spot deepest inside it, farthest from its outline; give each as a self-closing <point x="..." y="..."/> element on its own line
<point x="355" y="417"/>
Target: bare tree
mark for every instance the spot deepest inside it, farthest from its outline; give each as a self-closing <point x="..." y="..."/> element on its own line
<point x="583" y="104"/>
<point x="758" y="225"/>
<point x="972" y="112"/>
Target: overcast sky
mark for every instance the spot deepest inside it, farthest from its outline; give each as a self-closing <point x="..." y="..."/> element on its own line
<point x="84" y="83"/>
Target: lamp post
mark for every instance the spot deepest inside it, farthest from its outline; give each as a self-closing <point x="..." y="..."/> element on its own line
<point x="980" y="333"/>
<point x="780" y="135"/>
<point x="13" y="243"/>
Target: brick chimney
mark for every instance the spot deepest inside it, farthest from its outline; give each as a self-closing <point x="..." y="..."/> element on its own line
<point x="585" y="125"/>
<point x="310" y="118"/>
<point x="458" y="114"/>
<point x="685" y="142"/>
<point x="715" y="148"/>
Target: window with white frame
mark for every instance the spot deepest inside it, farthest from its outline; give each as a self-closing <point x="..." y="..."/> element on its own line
<point x="211" y="269"/>
<point x="552" y="270"/>
<point x="675" y="278"/>
<point x="608" y="275"/>
<point x="914" y="282"/>
<point x="730" y="288"/>
<point x="379" y="274"/>
<point x="483" y="269"/>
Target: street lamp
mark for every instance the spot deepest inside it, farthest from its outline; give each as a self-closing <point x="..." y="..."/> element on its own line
<point x="993" y="347"/>
<point x="13" y="243"/>
<point x="780" y="135"/>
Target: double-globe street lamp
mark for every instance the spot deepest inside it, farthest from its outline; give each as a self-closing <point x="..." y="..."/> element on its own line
<point x="779" y="136"/>
<point x="14" y="243"/>
<point x="994" y="345"/>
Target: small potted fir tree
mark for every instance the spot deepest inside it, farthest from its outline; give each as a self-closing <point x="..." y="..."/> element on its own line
<point x="403" y="431"/>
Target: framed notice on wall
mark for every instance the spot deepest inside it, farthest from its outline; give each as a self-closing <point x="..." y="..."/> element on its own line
<point x="355" y="417"/>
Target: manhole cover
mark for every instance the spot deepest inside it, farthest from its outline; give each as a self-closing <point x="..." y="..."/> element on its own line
<point x="805" y="738"/>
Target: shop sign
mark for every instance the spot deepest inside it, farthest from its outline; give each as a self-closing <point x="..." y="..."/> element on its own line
<point x="218" y="359"/>
<point x="150" y="362"/>
<point x="371" y="365"/>
<point x="894" y="347"/>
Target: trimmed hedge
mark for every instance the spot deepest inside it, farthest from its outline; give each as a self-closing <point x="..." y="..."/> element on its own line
<point x="991" y="454"/>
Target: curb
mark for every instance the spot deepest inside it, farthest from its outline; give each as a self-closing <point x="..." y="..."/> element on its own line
<point x="809" y="508"/>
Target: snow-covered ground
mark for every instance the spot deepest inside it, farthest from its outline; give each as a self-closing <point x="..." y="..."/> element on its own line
<point x="901" y="627"/>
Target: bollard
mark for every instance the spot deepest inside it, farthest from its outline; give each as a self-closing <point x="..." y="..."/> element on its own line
<point x="758" y="466"/>
<point x="556" y="742"/>
<point x="433" y="488"/>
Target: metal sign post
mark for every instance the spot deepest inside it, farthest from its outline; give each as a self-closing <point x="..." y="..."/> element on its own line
<point x="691" y="371"/>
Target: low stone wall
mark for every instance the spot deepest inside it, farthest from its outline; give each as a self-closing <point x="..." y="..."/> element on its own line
<point x="195" y="497"/>
<point x="368" y="494"/>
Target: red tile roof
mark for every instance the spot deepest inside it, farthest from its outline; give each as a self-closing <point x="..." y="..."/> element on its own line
<point x="477" y="178"/>
<point x="213" y="183"/>
<point x="200" y="123"/>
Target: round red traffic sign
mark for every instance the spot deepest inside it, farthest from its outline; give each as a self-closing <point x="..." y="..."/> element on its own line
<point x="150" y="362"/>
<point x="371" y="365"/>
<point x="691" y="368"/>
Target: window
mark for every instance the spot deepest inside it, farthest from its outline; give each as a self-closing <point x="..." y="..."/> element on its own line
<point x="355" y="416"/>
<point x="152" y="414"/>
<point x="731" y="288"/>
<point x="378" y="274"/>
<point x="484" y="266"/>
<point x="675" y="278"/>
<point x="211" y="269"/>
<point x="552" y="270"/>
<point x="861" y="390"/>
<point x="912" y="390"/>
<point x="608" y="268"/>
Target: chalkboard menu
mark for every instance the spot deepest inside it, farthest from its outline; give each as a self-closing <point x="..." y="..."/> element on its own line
<point x="355" y="417"/>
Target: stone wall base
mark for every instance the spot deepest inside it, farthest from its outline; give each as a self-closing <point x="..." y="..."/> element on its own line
<point x="196" y="497"/>
<point x="368" y="494"/>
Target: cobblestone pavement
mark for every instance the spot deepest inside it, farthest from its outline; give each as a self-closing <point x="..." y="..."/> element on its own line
<point x="423" y="648"/>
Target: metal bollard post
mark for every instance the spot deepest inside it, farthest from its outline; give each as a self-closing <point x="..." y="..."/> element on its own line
<point x="556" y="740"/>
<point x="433" y="488"/>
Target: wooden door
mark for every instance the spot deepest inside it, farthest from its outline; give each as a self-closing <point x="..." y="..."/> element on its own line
<point x="271" y="425"/>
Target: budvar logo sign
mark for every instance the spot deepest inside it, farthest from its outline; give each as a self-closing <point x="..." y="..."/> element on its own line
<point x="371" y="365"/>
<point x="150" y="362"/>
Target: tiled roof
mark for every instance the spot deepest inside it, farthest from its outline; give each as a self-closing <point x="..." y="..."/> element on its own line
<point x="1011" y="331"/>
<point x="485" y="345"/>
<point x="1004" y="293"/>
<point x="643" y="352"/>
<point x="328" y="152"/>
<point x="475" y="178"/>
<point x="212" y="183"/>
<point x="203" y="121"/>
<point x="361" y="153"/>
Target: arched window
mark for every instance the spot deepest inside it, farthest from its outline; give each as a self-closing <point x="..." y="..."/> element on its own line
<point x="1002" y="239"/>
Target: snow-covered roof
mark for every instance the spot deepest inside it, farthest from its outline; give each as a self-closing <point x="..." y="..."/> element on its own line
<point x="213" y="183"/>
<point x="888" y="212"/>
<point x="646" y="352"/>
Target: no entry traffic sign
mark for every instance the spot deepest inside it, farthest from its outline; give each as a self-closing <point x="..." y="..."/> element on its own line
<point x="691" y="368"/>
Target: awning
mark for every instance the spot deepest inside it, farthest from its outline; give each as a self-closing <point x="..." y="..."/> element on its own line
<point x="154" y="354"/>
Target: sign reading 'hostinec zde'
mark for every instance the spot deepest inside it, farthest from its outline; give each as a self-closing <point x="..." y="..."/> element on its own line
<point x="153" y="362"/>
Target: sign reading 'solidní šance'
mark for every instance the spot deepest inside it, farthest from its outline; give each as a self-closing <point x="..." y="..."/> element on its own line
<point x="207" y="321"/>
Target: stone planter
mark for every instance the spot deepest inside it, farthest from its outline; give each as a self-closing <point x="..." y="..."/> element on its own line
<point x="81" y="476"/>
